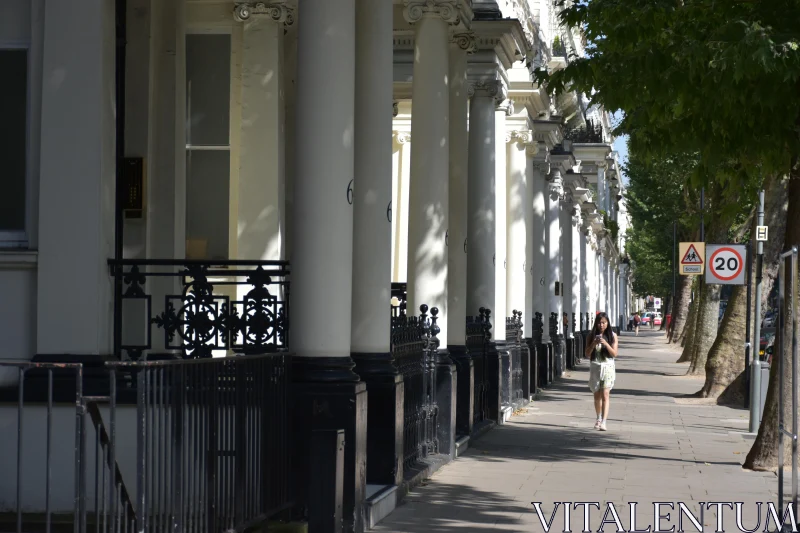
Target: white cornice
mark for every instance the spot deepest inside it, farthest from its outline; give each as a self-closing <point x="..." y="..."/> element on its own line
<point x="594" y="153"/>
<point x="504" y="37"/>
<point x="548" y="132"/>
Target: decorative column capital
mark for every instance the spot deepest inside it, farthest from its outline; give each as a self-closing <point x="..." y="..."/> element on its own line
<point x="602" y="165"/>
<point x="451" y="11"/>
<point x="506" y="106"/>
<point x="520" y="137"/>
<point x="465" y="41"/>
<point x="555" y="184"/>
<point x="402" y="137"/>
<point x="577" y="217"/>
<point x="276" y="10"/>
<point x="542" y="166"/>
<point x="488" y="89"/>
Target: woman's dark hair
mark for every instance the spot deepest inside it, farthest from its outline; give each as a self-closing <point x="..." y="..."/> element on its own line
<point x="608" y="334"/>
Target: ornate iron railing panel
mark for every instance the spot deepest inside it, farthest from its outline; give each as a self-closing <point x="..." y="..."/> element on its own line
<point x="200" y="307"/>
<point x="478" y="335"/>
<point x="514" y="338"/>
<point x="414" y="345"/>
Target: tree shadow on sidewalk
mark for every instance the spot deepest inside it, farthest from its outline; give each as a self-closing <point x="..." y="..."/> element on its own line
<point x="447" y="507"/>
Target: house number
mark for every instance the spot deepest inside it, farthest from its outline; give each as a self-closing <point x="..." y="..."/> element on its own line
<point x="350" y="192"/>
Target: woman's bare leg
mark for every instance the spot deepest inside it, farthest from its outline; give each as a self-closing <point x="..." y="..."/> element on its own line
<point x="606" y="395"/>
<point x="598" y="403"/>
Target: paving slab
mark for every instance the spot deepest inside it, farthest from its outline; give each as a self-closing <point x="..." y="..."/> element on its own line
<point x="660" y="447"/>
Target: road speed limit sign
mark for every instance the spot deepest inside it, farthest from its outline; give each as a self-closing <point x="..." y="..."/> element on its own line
<point x="726" y="264"/>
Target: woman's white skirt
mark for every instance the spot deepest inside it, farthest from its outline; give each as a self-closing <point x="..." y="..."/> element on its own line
<point x="602" y="375"/>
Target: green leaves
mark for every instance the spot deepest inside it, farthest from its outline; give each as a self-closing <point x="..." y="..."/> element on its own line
<point x="716" y="78"/>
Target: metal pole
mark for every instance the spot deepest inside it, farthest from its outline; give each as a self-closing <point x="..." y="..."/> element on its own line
<point x="747" y="343"/>
<point x="755" y="368"/>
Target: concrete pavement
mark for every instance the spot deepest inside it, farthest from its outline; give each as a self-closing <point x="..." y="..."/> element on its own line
<point x="659" y="447"/>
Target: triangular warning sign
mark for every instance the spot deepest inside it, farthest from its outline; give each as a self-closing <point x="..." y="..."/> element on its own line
<point x="692" y="257"/>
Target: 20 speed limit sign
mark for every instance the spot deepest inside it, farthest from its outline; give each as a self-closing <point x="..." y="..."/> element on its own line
<point x="726" y="264"/>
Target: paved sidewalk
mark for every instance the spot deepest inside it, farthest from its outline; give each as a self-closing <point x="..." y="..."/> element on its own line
<point x="659" y="447"/>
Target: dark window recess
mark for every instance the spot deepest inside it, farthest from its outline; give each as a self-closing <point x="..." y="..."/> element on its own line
<point x="13" y="138"/>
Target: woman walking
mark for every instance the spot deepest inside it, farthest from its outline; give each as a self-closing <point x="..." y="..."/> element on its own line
<point x="601" y="349"/>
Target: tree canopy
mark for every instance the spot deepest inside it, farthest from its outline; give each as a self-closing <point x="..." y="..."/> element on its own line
<point x="717" y="78"/>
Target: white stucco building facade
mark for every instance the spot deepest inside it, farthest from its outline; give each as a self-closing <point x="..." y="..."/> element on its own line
<point x="362" y="142"/>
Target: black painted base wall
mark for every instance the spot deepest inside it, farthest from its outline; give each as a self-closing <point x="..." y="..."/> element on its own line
<point x="331" y="406"/>
<point x="385" y="396"/>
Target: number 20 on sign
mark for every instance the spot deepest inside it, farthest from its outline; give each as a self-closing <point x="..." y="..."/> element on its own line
<point x="726" y="264"/>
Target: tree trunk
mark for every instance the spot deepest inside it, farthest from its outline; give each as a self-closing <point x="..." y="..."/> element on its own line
<point x="706" y="328"/>
<point x="681" y="309"/>
<point x="774" y="216"/>
<point x="691" y="327"/>
<point x="764" y="453"/>
<point x="726" y="356"/>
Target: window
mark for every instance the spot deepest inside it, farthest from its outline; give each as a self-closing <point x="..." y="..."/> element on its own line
<point x="13" y="146"/>
<point x="208" y="74"/>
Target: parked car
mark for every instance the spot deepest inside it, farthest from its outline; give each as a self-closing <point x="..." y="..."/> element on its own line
<point x="656" y="319"/>
<point x="766" y="344"/>
<point x="769" y="319"/>
<point x="646" y="318"/>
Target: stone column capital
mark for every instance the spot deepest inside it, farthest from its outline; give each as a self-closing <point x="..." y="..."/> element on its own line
<point x="465" y="41"/>
<point x="402" y="137"/>
<point x="488" y="89"/>
<point x="542" y="166"/>
<point x="506" y="106"/>
<point x="451" y="11"/>
<point x="521" y="137"/>
<point x="555" y="184"/>
<point x="276" y="10"/>
<point x="602" y="165"/>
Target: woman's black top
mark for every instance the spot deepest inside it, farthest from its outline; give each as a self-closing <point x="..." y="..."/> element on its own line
<point x="604" y="353"/>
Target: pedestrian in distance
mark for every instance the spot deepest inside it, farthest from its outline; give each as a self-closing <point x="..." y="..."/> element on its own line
<point x="636" y="321"/>
<point x="601" y="349"/>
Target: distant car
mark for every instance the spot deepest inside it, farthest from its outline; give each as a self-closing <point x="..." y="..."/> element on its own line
<point x="656" y="319"/>
<point x="769" y="320"/>
<point x="646" y="318"/>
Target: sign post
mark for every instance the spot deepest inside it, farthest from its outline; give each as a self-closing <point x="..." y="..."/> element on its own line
<point x="692" y="256"/>
<point x="725" y="264"/>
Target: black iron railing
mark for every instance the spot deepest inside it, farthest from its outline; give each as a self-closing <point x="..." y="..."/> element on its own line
<point x="200" y="307"/>
<point x="414" y="345"/>
<point x="590" y="133"/>
<point x="212" y="440"/>
<point x="179" y="445"/>
<point x="478" y="335"/>
<point x="514" y="376"/>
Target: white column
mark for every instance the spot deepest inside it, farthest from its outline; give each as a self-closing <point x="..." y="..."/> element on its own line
<point x="322" y="245"/>
<point x="77" y="179"/>
<point x="555" y="191"/>
<point x="481" y="197"/>
<point x="518" y="207"/>
<point x="601" y="186"/>
<point x="459" y="143"/>
<point x="541" y="169"/>
<point x="530" y="271"/>
<point x="430" y="167"/>
<point x="585" y="266"/>
<point x="576" y="274"/>
<point x="261" y="224"/>
<point x="400" y="188"/>
<point x="500" y="311"/>
<point x="372" y="188"/>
